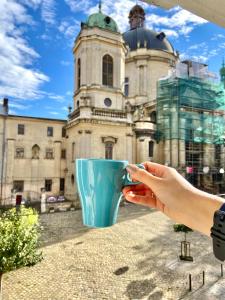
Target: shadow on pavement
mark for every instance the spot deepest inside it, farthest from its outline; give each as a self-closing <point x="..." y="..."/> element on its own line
<point x="62" y="226"/>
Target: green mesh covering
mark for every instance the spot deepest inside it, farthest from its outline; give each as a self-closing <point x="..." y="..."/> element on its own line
<point x="190" y="109"/>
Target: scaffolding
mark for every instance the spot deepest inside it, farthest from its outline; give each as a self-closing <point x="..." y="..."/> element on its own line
<point x="191" y="118"/>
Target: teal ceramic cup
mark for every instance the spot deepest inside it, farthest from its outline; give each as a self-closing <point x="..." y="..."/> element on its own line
<point x="100" y="183"/>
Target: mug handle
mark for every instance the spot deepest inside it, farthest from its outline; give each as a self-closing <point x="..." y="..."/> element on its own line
<point x="128" y="180"/>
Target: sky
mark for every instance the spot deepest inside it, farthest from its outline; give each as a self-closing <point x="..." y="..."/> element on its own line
<point x="37" y="36"/>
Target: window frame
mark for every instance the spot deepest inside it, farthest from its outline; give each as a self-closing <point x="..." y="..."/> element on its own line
<point x="109" y="150"/>
<point x="63" y="153"/>
<point x="48" y="185"/>
<point x="17" y="153"/>
<point x="47" y="151"/>
<point x="17" y="183"/>
<point x="107" y="70"/>
<point x="50" y="131"/>
<point x="21" y="129"/>
<point x="78" y="73"/>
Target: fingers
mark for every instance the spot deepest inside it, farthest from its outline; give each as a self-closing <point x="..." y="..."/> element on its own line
<point x="137" y="187"/>
<point x="143" y="176"/>
<point x="140" y="199"/>
<point x="156" y="169"/>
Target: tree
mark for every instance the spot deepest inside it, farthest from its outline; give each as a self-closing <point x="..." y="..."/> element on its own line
<point x="19" y="233"/>
<point x="185" y="246"/>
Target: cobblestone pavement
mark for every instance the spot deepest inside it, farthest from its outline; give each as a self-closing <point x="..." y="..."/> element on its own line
<point x="135" y="259"/>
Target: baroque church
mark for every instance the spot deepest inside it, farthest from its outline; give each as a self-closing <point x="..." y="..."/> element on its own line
<point x="113" y="114"/>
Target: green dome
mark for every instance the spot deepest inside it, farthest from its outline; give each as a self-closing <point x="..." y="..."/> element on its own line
<point x="102" y="21"/>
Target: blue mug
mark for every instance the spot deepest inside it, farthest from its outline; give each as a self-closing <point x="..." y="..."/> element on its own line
<point x="100" y="183"/>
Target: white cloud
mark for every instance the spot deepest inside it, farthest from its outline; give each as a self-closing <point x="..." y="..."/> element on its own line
<point x="58" y="98"/>
<point x="65" y="63"/>
<point x="70" y="28"/>
<point x="54" y="113"/>
<point x="197" y="46"/>
<point x="47" y="8"/>
<point x="82" y="5"/>
<point x="18" y="78"/>
<point x="218" y="37"/>
<point x="18" y="106"/>
<point x="182" y="21"/>
<point x="170" y="33"/>
<point x="48" y="11"/>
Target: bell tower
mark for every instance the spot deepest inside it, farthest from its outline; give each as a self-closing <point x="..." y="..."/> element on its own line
<point x="99" y="54"/>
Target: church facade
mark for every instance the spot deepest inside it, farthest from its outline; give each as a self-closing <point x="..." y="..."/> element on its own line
<point x="113" y="114"/>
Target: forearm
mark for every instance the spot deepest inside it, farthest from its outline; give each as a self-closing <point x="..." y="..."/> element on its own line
<point x="197" y="211"/>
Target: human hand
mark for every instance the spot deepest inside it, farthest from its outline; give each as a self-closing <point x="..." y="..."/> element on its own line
<point x="161" y="187"/>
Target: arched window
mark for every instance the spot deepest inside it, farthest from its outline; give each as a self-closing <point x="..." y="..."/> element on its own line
<point x="108" y="150"/>
<point x="150" y="148"/>
<point x="78" y="73"/>
<point x="107" y="70"/>
<point x="35" y="151"/>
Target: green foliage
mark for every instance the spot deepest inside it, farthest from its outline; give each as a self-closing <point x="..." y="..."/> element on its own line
<point x="181" y="228"/>
<point x="19" y="233"/>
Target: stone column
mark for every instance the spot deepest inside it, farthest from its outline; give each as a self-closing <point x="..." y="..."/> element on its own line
<point x="129" y="147"/>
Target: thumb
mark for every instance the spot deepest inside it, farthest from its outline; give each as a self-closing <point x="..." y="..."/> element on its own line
<point x="143" y="176"/>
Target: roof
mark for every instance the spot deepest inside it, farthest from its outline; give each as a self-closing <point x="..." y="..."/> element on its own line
<point x="37" y="118"/>
<point x="145" y="38"/>
<point x="102" y="21"/>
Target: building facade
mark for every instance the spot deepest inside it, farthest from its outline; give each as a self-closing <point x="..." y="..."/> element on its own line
<point x="114" y="114"/>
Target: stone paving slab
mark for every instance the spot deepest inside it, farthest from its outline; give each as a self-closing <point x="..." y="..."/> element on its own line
<point x="135" y="259"/>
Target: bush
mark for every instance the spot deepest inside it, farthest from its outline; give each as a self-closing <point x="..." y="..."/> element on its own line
<point x="19" y="233"/>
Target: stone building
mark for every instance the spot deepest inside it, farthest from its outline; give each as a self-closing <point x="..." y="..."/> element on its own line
<point x="113" y="114"/>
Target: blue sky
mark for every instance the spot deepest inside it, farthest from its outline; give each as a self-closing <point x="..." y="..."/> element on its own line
<point x="36" y="40"/>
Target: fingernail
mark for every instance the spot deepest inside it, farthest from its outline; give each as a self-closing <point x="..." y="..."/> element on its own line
<point x="131" y="169"/>
<point x="131" y="194"/>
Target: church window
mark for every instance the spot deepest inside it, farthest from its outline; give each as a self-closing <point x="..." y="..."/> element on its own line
<point x="63" y="153"/>
<point x="62" y="184"/>
<point x="78" y="103"/>
<point x="35" y="151"/>
<point x="48" y="185"/>
<point x="19" y="152"/>
<point x="126" y="87"/>
<point x="50" y="131"/>
<point x="49" y="153"/>
<point x="78" y="73"/>
<point x="63" y="132"/>
<point x="21" y="129"/>
<point x="108" y="102"/>
<point x="108" y="150"/>
<point x="18" y="186"/>
<point x="72" y="179"/>
<point x="107" y="70"/>
<point x="150" y="148"/>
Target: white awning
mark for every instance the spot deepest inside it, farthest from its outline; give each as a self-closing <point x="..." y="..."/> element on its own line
<point x="211" y="10"/>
